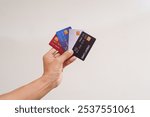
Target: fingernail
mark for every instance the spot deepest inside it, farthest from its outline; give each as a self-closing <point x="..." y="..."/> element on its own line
<point x="70" y="51"/>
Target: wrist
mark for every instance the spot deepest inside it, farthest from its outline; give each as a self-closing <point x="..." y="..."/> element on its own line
<point x="52" y="80"/>
<point x="46" y="82"/>
<point x="45" y="77"/>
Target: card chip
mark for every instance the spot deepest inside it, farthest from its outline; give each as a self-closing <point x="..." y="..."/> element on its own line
<point x="88" y="38"/>
<point x="65" y="32"/>
<point x="78" y="33"/>
<point x="56" y="39"/>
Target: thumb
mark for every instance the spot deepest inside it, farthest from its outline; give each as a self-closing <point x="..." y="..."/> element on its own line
<point x="66" y="55"/>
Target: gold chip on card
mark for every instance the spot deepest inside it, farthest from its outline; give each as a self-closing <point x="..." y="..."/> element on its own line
<point x="77" y="33"/>
<point x="65" y="32"/>
<point x="88" y="38"/>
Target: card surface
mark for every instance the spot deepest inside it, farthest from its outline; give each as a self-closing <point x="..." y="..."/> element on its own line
<point x="63" y="36"/>
<point x="73" y="36"/>
<point x="83" y="45"/>
<point x="56" y="45"/>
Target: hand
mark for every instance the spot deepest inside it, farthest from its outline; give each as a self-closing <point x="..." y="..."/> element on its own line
<point x="54" y="63"/>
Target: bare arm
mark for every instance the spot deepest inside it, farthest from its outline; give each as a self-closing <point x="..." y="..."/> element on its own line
<point x="53" y="64"/>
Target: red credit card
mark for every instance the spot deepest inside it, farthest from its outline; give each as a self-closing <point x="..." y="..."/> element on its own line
<point x="56" y="45"/>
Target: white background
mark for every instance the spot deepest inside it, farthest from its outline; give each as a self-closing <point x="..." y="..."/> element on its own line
<point x="118" y="66"/>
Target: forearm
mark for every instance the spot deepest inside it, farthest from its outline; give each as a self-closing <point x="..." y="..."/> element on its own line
<point x="53" y="66"/>
<point x="32" y="91"/>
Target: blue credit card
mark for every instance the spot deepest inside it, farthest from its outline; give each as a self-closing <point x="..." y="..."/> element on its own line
<point x="63" y="37"/>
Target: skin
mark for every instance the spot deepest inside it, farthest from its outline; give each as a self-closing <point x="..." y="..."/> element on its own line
<point x="53" y="65"/>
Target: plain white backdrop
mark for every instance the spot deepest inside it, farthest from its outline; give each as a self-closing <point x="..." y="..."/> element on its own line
<point x="118" y="65"/>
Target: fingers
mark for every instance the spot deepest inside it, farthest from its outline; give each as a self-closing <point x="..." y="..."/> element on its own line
<point x="52" y="50"/>
<point x="57" y="55"/>
<point x="65" y="56"/>
<point x="69" y="61"/>
<point x="62" y="58"/>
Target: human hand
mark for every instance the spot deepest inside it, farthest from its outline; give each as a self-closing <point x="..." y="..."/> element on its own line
<point x="54" y="63"/>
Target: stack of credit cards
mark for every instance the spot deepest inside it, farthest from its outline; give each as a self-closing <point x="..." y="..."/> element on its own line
<point x="77" y="40"/>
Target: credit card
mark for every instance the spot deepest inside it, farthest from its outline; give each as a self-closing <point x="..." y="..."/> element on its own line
<point x="73" y="36"/>
<point x="63" y="36"/>
<point x="83" y="45"/>
<point x="56" y="45"/>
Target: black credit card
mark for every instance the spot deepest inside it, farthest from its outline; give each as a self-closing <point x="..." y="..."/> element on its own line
<point x="83" y="45"/>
